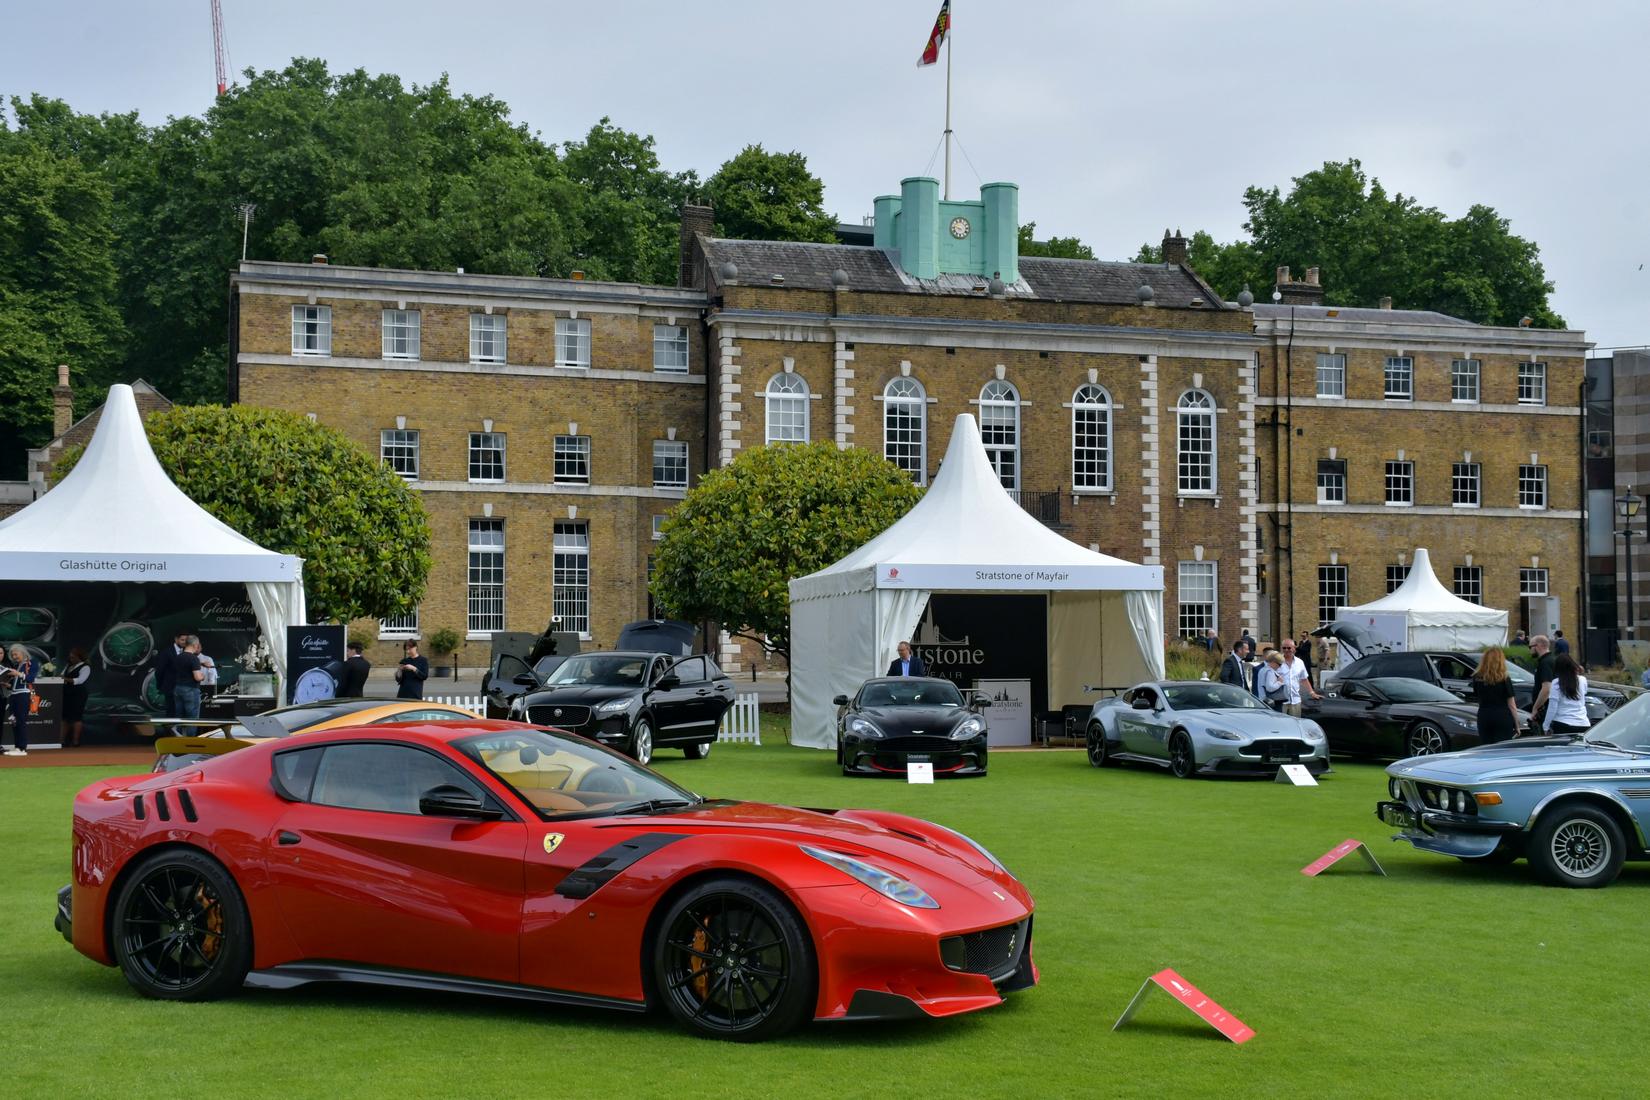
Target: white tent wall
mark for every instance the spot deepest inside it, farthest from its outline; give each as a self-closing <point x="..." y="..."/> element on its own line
<point x="823" y="666"/>
<point x="277" y="606"/>
<point x="1093" y="640"/>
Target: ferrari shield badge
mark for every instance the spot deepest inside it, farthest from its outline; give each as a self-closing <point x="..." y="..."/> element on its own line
<point x="552" y="841"/>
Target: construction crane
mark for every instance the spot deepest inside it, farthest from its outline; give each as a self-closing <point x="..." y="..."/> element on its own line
<point x="217" y="45"/>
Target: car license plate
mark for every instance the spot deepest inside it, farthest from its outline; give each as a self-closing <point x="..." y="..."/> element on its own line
<point x="917" y="758"/>
<point x="1397" y="816"/>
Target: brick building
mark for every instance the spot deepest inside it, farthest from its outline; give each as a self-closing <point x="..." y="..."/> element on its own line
<point x="550" y="424"/>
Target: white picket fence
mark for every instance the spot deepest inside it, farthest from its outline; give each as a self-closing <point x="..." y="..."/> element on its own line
<point x="475" y="704"/>
<point x="742" y="722"/>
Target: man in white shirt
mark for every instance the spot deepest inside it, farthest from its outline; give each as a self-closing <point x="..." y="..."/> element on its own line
<point x="1296" y="677"/>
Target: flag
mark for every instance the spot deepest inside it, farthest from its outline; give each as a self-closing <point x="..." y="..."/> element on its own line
<point x="942" y="27"/>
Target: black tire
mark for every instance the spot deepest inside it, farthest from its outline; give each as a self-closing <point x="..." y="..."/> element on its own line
<point x="1099" y="751"/>
<point x="180" y="928"/>
<point x="731" y="930"/>
<point x="641" y="742"/>
<point x="1577" y="845"/>
<point x="1182" y="757"/>
<point x="1425" y="739"/>
<point x="697" y="751"/>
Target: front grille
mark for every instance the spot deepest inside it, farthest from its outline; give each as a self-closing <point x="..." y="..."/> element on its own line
<point x="942" y="761"/>
<point x="994" y="952"/>
<point x="915" y="744"/>
<point x="564" y="715"/>
<point x="1277" y="748"/>
<point x="1448" y="799"/>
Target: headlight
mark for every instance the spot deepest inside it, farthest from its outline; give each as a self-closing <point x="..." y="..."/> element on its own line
<point x="613" y="706"/>
<point x="968" y="727"/>
<point x="1392" y="788"/>
<point x="1312" y="730"/>
<point x="1468" y="723"/>
<point x="889" y="885"/>
<point x="863" y="727"/>
<point x="1225" y="735"/>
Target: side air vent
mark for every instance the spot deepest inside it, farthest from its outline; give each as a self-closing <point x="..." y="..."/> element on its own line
<point x="137" y="808"/>
<point x="161" y="807"/>
<point x="187" y="804"/>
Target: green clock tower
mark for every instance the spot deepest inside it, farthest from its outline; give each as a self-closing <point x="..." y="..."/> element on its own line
<point x="932" y="237"/>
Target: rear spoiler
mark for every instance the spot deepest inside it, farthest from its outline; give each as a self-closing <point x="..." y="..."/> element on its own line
<point x="198" y="746"/>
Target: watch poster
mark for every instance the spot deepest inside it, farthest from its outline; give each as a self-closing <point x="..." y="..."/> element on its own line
<point x="314" y="662"/>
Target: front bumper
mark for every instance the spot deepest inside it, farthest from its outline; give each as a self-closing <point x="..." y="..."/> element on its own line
<point x="1264" y="757"/>
<point x="1443" y="832"/>
<point x="957" y="758"/>
<point x="64" y="921"/>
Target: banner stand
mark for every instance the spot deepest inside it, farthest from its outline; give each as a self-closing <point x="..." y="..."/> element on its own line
<point x="1340" y="852"/>
<point x="1200" y="1004"/>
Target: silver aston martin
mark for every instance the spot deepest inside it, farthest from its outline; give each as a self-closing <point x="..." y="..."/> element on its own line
<point x="1200" y="727"/>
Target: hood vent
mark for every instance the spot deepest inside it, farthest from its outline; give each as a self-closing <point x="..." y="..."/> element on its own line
<point x="137" y="807"/>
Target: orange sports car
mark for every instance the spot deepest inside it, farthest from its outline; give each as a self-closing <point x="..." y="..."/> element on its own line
<point x="325" y="714"/>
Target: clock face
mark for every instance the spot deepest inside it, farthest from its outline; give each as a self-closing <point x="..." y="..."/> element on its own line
<point x="959" y="228"/>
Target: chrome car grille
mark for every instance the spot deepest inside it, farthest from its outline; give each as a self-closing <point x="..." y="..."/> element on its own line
<point x="994" y="952"/>
<point x="564" y="715"/>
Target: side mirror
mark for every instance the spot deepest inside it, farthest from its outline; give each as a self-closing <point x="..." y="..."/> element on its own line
<point x="526" y="680"/>
<point x="982" y="700"/>
<point x="1142" y="704"/>
<point x="450" y="801"/>
<point x="668" y="680"/>
<point x="840" y="701"/>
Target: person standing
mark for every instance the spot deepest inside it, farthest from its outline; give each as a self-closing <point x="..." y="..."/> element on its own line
<point x="1567" y="702"/>
<point x="165" y="669"/>
<point x="187" y="676"/>
<point x="354" y="682"/>
<point x="20" y="672"/>
<point x="1210" y="640"/>
<point x="1492" y="688"/>
<point x="1303" y="646"/>
<point x="1296" y="678"/>
<point x="1561" y="644"/>
<point x="907" y="663"/>
<point x="1544" y="658"/>
<point x="1270" y="683"/>
<point x="75" y="679"/>
<point x="1234" y="669"/>
<point x="411" y="673"/>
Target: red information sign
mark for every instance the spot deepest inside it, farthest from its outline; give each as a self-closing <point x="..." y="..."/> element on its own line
<point x="1193" y="998"/>
<point x="1340" y="852"/>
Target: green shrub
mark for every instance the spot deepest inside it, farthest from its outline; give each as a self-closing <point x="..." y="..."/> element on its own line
<point x="444" y="641"/>
<point x="1189" y="662"/>
<point x="1520" y="655"/>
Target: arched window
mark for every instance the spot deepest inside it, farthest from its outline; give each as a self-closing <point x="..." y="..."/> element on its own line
<point x="905" y="427"/>
<point x="1195" y="442"/>
<point x="1090" y="438"/>
<point x="787" y="399"/>
<point x="1000" y="430"/>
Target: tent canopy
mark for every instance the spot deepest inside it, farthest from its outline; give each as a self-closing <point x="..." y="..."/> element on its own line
<point x="118" y="517"/>
<point x="1422" y="614"/>
<point x="967" y="535"/>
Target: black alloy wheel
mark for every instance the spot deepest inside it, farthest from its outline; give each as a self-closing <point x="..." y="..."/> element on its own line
<point x="733" y="961"/>
<point x="697" y="751"/>
<point x="1577" y="845"/>
<point x="641" y="742"/>
<point x="1099" y="752"/>
<point x="181" y="930"/>
<point x="1425" y="739"/>
<point x="1182" y="760"/>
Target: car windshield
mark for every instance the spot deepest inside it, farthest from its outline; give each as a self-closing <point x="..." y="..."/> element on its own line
<point x="911" y="693"/>
<point x="1401" y="690"/>
<point x="603" y="669"/>
<point x="1627" y="728"/>
<point x="1519" y="675"/>
<point x="561" y="775"/>
<point x="1211" y="696"/>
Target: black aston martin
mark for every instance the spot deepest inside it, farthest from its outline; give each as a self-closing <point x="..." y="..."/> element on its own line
<point x="1393" y="717"/>
<point x="898" y="720"/>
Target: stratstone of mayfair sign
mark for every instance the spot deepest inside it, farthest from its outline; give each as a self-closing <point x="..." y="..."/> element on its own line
<point x="1028" y="577"/>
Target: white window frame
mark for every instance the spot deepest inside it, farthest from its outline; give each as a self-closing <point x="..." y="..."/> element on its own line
<point x="658" y="528"/>
<point x="1532" y="487"/>
<point x="1194" y="617"/>
<point x="1325" y="497"/>
<point x="575" y="449"/>
<point x="786" y="402"/>
<point x="1331" y="376"/>
<point x="1400" y="471"/>
<point x="905" y="426"/>
<point x="1532" y="383"/>
<point x="404" y="447"/>
<point x="400" y="628"/>
<point x="1468" y="583"/>
<point x="1091" y="442"/>
<point x="674" y="454"/>
<point x="1000" y="430"/>
<point x="570" y="575"/>
<point x="312" y="331"/>
<point x="489" y="338"/>
<point x="484" y="595"/>
<point x="1466" y="479"/>
<point x="670" y="349"/>
<point x="1533" y="580"/>
<point x="481" y="442"/>
<point x="1398" y="378"/>
<point x="573" y="342"/>
<point x="1334" y="583"/>
<point x="1466" y="381"/>
<point x="401" y="334"/>
<point x="1193" y="406"/>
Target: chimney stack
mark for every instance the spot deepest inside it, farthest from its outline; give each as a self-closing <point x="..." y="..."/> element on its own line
<point x="1386" y="301"/>
<point x="697" y="220"/>
<point x="1174" y="247"/>
<point x="62" y="402"/>
<point x="1307" y="292"/>
<point x="318" y="258"/>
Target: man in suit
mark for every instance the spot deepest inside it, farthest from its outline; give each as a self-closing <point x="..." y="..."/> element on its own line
<point x="354" y="683"/>
<point x="907" y="663"/>
<point x="1235" y="668"/>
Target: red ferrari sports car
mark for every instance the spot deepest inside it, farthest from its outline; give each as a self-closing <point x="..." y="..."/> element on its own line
<point x="496" y="858"/>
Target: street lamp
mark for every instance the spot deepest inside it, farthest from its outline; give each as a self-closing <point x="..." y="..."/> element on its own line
<point x="1627" y="506"/>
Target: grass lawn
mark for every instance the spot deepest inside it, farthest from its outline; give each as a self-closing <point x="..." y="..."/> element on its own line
<point x="1441" y="979"/>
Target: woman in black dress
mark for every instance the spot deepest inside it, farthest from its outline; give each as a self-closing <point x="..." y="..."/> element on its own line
<point x="1492" y="688"/>
<point x="74" y="696"/>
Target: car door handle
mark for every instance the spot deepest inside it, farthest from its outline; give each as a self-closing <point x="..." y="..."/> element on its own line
<point x="285" y="838"/>
<point x="702" y="691"/>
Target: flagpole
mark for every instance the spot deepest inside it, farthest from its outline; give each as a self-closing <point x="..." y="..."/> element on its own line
<point x="948" y="108"/>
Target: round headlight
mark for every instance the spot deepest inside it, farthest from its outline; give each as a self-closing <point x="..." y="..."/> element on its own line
<point x="1392" y="787"/>
<point x="1461" y="802"/>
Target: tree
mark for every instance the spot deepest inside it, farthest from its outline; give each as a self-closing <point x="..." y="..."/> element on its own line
<point x="763" y="196"/>
<point x="1369" y="244"/>
<point x="301" y="488"/>
<point x="57" y="283"/>
<point x="1066" y="248"/>
<point x="778" y="512"/>
<point x="631" y="206"/>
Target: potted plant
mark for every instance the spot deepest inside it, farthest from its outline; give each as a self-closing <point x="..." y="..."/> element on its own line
<point x="443" y="643"/>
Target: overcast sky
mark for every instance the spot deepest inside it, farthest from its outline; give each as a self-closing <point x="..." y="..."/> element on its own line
<point x="1117" y="120"/>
